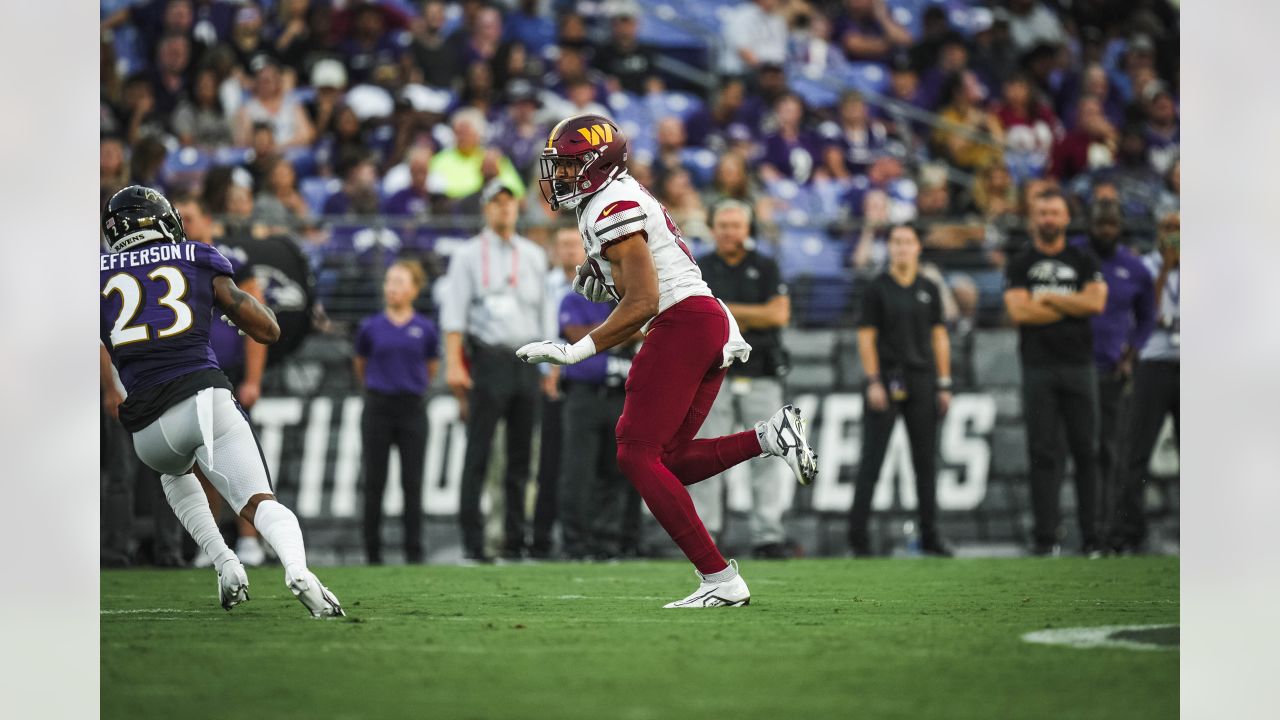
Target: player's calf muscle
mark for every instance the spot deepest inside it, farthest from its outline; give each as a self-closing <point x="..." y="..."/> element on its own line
<point x="250" y="508"/>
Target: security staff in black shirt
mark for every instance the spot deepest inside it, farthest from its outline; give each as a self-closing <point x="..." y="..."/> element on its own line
<point x="1052" y="290"/>
<point x="906" y="354"/>
<point x="752" y="287"/>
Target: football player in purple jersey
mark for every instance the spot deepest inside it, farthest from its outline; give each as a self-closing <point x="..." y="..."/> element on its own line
<point x="159" y="291"/>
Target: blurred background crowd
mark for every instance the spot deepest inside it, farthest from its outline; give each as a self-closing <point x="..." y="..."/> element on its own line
<point x="325" y="119"/>
<point x="329" y="139"/>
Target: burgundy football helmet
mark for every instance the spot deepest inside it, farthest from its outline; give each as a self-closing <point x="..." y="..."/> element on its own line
<point x="583" y="154"/>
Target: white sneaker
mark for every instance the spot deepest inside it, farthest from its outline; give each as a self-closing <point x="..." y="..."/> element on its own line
<point x="202" y="559"/>
<point x="314" y="596"/>
<point x="233" y="583"/>
<point x="250" y="551"/>
<point x="730" y="593"/>
<point x="783" y="435"/>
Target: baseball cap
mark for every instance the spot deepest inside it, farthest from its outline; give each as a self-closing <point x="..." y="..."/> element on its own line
<point x="493" y="188"/>
<point x="329" y="73"/>
<point x="622" y="8"/>
<point x="521" y="90"/>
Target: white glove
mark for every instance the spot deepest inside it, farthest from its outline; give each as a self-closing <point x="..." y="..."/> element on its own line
<point x="591" y="287"/>
<point x="557" y="353"/>
<point x="229" y="321"/>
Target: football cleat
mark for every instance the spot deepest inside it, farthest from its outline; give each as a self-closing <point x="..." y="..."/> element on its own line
<point x="233" y="583"/>
<point x="730" y="593"/>
<point x="315" y="597"/>
<point x="783" y="435"/>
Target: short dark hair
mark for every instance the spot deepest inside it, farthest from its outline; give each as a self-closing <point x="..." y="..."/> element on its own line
<point x="915" y="229"/>
<point x="188" y="197"/>
<point x="1052" y="194"/>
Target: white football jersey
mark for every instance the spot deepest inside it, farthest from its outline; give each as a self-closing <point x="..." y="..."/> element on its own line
<point x="624" y="207"/>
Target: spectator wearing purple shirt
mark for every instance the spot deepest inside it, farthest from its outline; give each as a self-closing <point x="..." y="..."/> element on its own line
<point x="791" y="152"/>
<point x="359" y="193"/>
<point x="396" y="355"/>
<point x="1119" y="332"/>
<point x="859" y="138"/>
<point x="599" y="513"/>
<point x="415" y="199"/>
<point x="868" y="33"/>
<point x="732" y="112"/>
<point x="369" y="44"/>
<point x="1163" y="133"/>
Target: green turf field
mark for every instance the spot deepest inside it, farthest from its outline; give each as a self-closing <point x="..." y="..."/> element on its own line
<point x="821" y="639"/>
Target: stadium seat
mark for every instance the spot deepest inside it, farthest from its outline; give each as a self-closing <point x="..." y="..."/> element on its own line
<point x="185" y="166"/>
<point x="315" y="190"/>
<point x="807" y="252"/>
<point x="303" y="159"/>
<point x="232" y="156"/>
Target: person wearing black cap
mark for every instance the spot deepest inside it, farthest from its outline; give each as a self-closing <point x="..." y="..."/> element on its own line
<point x="493" y="304"/>
<point x="1052" y="289"/>
<point x="906" y="354"/>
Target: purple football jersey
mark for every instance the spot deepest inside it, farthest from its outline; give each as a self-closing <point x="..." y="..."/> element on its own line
<point x="157" y="305"/>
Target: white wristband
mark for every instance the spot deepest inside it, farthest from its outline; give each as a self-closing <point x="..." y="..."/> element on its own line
<point x="581" y="350"/>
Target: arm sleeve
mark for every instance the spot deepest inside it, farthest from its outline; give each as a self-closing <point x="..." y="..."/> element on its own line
<point x="431" y="341"/>
<point x="457" y="295"/>
<point x="617" y="220"/>
<point x="364" y="342"/>
<point x="1016" y="275"/>
<point x="772" y="280"/>
<point x="872" y="307"/>
<point x="935" y="307"/>
<point x="1091" y="271"/>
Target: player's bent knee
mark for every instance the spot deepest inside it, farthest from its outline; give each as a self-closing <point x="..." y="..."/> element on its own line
<point x="250" y="509"/>
<point x="635" y="458"/>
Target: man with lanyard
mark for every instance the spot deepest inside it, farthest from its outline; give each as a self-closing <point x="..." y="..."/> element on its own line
<point x="1119" y="331"/>
<point x="567" y="250"/>
<point x="1052" y="290"/>
<point x="906" y="354"/>
<point x="492" y="305"/>
<point x="752" y="287"/>
<point x="1155" y="385"/>
<point x="599" y="510"/>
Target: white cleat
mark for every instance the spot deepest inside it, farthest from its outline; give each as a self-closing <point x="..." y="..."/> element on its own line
<point x="784" y="435"/>
<point x="315" y="597"/>
<point x="233" y="583"/>
<point x="730" y="593"/>
<point x="250" y="552"/>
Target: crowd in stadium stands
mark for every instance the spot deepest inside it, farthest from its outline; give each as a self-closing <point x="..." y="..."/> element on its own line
<point x="832" y="119"/>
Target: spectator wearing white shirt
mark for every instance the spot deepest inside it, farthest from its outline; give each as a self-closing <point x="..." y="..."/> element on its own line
<point x="755" y="34"/>
<point x="1031" y="24"/>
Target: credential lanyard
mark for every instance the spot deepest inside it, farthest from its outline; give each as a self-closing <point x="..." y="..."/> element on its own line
<point x="512" y="281"/>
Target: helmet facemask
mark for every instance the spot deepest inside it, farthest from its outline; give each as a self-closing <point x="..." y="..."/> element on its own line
<point x="562" y="178"/>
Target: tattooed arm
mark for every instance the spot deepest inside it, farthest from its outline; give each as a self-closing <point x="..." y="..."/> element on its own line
<point x="254" y="318"/>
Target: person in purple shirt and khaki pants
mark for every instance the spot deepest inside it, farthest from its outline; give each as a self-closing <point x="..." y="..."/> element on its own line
<point x="1119" y="332"/>
<point x="397" y="354"/>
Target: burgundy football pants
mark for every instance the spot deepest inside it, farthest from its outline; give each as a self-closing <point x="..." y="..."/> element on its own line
<point x="674" y="380"/>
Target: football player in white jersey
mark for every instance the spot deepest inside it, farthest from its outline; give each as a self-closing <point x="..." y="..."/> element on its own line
<point x="635" y="255"/>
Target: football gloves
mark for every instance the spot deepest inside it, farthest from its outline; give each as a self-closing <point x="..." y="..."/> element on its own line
<point x="232" y="323"/>
<point x="556" y="352"/>
<point x="591" y="287"/>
